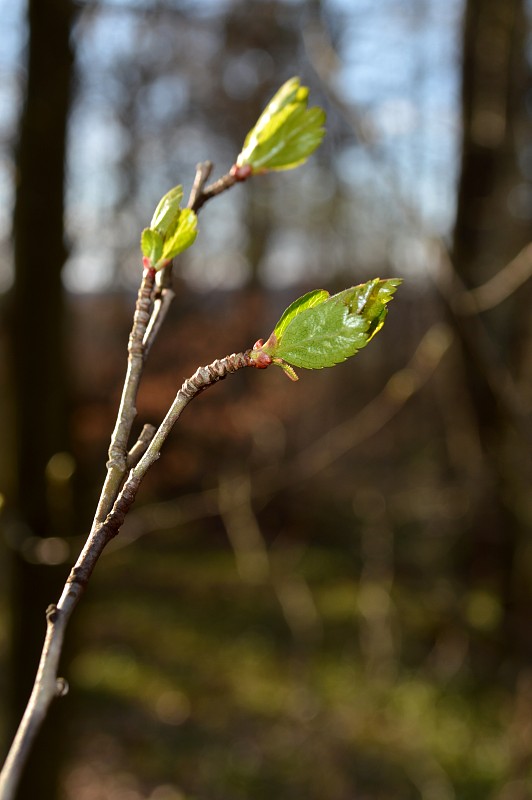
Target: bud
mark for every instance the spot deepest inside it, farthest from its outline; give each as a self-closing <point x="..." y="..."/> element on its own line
<point x="171" y="231"/>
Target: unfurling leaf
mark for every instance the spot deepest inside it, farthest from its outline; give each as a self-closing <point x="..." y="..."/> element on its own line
<point x="171" y="231"/>
<point x="286" y="133"/>
<point x="151" y="244"/>
<point x="167" y="210"/>
<point x="181" y="235"/>
<point x="318" y="330"/>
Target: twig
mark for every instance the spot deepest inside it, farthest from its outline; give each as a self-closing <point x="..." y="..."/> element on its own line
<point x="203" y="173"/>
<point x="162" y="301"/>
<point x="47" y="685"/>
<point x="140" y="446"/>
<point x="200" y="196"/>
<point x="219" y="186"/>
<point x="117" y="463"/>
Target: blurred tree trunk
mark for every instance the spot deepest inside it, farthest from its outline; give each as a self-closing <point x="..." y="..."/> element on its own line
<point x="36" y="316"/>
<point x="490" y="230"/>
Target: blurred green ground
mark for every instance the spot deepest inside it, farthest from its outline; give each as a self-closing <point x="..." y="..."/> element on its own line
<point x="195" y="684"/>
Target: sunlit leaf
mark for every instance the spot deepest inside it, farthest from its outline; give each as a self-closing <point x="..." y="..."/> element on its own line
<point x="181" y="234"/>
<point x="172" y="230"/>
<point x="334" y="328"/>
<point x="167" y="210"/>
<point x="306" y="301"/>
<point x="151" y="244"/>
<point x="290" y="92"/>
<point x="286" y="133"/>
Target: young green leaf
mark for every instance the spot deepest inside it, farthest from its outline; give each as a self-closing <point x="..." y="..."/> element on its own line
<point x="290" y="92"/>
<point x="180" y="235"/>
<point x="308" y="300"/>
<point x="319" y="331"/>
<point x="167" y="210"/>
<point x="286" y="133"/>
<point x="172" y="230"/>
<point x="151" y="244"/>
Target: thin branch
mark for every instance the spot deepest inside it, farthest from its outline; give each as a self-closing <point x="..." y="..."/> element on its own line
<point x="203" y="173"/>
<point x="221" y="185"/>
<point x="163" y="300"/>
<point x="140" y="446"/>
<point x="117" y="463"/>
<point x="47" y="685"/>
<point x="200" y="196"/>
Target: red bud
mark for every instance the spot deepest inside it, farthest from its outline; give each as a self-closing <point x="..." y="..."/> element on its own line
<point x="241" y="173"/>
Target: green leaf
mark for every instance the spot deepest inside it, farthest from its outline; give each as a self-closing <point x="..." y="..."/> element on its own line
<point x="172" y="230"/>
<point x="167" y="210"/>
<point x="286" y="132"/>
<point x="180" y="235"/>
<point x="151" y="244"/>
<point x="308" y="300"/>
<point x="332" y="329"/>
<point x="290" y="92"/>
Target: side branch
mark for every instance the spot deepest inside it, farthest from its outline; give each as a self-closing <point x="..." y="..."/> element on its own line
<point x="47" y="685"/>
<point x="199" y="196"/>
<point x="201" y="380"/>
<point x="219" y="186"/>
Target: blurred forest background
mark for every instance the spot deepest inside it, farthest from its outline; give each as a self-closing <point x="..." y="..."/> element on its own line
<point x="324" y="588"/>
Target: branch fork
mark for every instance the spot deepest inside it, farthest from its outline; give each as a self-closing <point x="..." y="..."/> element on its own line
<point x="118" y="493"/>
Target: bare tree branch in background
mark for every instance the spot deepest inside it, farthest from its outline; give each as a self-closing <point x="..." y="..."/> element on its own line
<point x="498" y="288"/>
